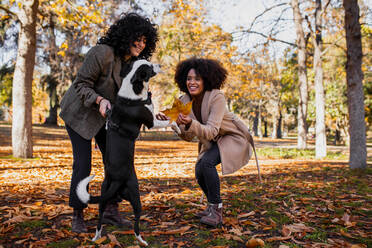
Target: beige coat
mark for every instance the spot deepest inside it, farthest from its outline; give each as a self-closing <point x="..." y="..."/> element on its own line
<point x="220" y="125"/>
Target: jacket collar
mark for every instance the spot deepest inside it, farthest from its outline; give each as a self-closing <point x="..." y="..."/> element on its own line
<point x="204" y="106"/>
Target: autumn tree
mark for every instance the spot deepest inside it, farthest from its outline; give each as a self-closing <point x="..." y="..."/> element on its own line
<point x="320" y="129"/>
<point x="354" y="78"/>
<point x="23" y="76"/>
<point x="66" y="29"/>
<point x="185" y="33"/>
<point x="301" y="41"/>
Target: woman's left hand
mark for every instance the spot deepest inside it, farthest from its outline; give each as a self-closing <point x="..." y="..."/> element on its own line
<point x="183" y="119"/>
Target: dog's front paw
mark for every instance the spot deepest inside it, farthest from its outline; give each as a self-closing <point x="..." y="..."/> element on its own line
<point x="141" y="241"/>
<point x="175" y="127"/>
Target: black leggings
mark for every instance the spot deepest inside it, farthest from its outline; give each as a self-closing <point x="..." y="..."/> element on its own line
<point x="82" y="154"/>
<point x="207" y="176"/>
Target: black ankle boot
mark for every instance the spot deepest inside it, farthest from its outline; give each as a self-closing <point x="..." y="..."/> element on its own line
<point x="78" y="224"/>
<point x="112" y="216"/>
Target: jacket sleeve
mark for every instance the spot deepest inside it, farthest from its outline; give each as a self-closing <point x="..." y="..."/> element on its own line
<point x="94" y="63"/>
<point x="210" y="130"/>
<point x="186" y="134"/>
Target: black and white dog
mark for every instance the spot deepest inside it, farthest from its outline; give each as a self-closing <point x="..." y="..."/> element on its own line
<point x="133" y="107"/>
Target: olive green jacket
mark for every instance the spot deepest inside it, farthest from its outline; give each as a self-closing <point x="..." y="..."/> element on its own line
<point x="99" y="75"/>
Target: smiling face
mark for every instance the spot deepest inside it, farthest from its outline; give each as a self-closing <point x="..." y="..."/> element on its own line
<point x="138" y="46"/>
<point x="194" y="83"/>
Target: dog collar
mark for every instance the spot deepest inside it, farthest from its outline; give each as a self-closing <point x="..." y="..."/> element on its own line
<point x="130" y="102"/>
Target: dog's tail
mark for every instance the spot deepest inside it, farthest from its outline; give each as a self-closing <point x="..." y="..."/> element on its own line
<point x="81" y="189"/>
<point x="85" y="197"/>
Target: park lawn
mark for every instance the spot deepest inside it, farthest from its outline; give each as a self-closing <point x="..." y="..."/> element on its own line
<point x="302" y="202"/>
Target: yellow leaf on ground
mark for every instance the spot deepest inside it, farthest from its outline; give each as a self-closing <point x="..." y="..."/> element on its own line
<point x="101" y="240"/>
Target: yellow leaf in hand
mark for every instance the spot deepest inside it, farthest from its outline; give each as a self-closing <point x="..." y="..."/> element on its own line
<point x="178" y="108"/>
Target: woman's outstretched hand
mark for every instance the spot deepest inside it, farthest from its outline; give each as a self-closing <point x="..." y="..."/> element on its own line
<point x="183" y="119"/>
<point x="162" y="117"/>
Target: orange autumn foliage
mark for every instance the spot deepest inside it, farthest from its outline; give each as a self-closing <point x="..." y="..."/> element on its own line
<point x="178" y="108"/>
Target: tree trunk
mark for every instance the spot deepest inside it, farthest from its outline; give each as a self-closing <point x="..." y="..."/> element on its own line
<point x="259" y="125"/>
<point x="255" y="124"/>
<point x="265" y="129"/>
<point x="302" y="76"/>
<point x="320" y="130"/>
<point x="279" y="129"/>
<point x="22" y="81"/>
<point x="354" y="78"/>
<point x="52" y="81"/>
<point x="275" y="128"/>
<point x="276" y="117"/>
<point x="53" y="102"/>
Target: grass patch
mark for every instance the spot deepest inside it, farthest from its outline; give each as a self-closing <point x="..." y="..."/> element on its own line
<point x="278" y="217"/>
<point x="317" y="236"/>
<point x="128" y="239"/>
<point x="33" y="224"/>
<point x="64" y="244"/>
<point x="293" y="153"/>
<point x="10" y="157"/>
<point x="181" y="206"/>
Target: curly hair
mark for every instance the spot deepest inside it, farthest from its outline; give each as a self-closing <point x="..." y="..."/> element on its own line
<point x="210" y="70"/>
<point x="125" y="31"/>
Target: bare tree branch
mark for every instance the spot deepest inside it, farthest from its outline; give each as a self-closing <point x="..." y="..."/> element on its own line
<point x="265" y="11"/>
<point x="271" y="38"/>
<point x="325" y="7"/>
<point x="278" y="19"/>
<point x="2" y="7"/>
<point x="334" y="44"/>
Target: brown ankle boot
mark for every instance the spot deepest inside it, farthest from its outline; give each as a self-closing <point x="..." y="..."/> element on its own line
<point x="112" y="216"/>
<point x="214" y="218"/>
<point x="78" y="224"/>
<point x="205" y="212"/>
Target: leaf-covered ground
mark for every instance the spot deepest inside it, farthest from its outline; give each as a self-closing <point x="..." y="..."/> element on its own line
<point x="302" y="202"/>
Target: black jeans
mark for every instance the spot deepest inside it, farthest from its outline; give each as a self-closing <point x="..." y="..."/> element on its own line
<point x="82" y="154"/>
<point x="207" y="176"/>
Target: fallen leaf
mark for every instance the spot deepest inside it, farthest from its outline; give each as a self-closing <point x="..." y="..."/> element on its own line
<point x="277" y="238"/>
<point x="114" y="240"/>
<point x="21" y="218"/>
<point x="236" y="231"/>
<point x="253" y="243"/>
<point x="101" y="240"/>
<point x="358" y="246"/>
<point x="178" y="108"/>
<point x="246" y="215"/>
<point x="298" y="227"/>
<point x="343" y="233"/>
<point x="286" y="231"/>
<point x="181" y="231"/>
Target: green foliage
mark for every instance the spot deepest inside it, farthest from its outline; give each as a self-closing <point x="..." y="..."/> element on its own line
<point x="368" y="102"/>
<point x="6" y="82"/>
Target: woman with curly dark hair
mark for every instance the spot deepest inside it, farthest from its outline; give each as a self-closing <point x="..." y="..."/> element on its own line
<point x="95" y="87"/>
<point x="223" y="137"/>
